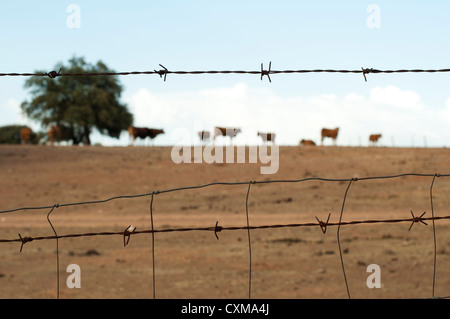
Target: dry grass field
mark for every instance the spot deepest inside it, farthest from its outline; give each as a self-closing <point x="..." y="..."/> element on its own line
<point x="288" y="263"/>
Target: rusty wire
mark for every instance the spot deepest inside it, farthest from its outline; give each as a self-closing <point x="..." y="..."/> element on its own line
<point x="338" y="238"/>
<point x="153" y="246"/>
<point x="57" y="249"/>
<point x="216" y="228"/>
<point x="164" y="72"/>
<point x="249" y="241"/>
<point x="434" y="235"/>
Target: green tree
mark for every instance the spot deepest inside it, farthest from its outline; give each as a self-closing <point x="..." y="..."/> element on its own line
<point x="78" y="104"/>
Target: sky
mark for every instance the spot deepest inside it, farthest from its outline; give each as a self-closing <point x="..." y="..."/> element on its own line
<point x="408" y="109"/>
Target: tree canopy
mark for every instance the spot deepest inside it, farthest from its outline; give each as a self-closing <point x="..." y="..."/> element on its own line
<point x="78" y="104"/>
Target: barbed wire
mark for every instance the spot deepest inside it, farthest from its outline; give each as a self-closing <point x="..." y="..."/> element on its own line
<point x="262" y="72"/>
<point x="131" y="231"/>
<point x="217" y="228"/>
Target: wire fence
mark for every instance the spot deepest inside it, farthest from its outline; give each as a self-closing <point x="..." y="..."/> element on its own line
<point x="262" y="72"/>
<point x="130" y="231"/>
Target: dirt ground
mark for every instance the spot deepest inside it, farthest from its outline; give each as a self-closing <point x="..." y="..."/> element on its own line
<point x="287" y="263"/>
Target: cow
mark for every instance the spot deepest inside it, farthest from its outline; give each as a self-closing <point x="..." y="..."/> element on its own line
<point x="54" y="134"/>
<point x="25" y="135"/>
<point x="267" y="137"/>
<point x="330" y="133"/>
<point x="143" y="132"/>
<point x="373" y="138"/>
<point x="231" y="132"/>
<point x="307" y="143"/>
<point x="204" y="135"/>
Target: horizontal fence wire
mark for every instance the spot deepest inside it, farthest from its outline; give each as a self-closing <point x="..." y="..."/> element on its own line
<point x="262" y="72"/>
<point x="127" y="233"/>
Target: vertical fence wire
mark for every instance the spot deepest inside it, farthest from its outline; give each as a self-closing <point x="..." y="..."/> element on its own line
<point x="57" y="250"/>
<point x="434" y="235"/>
<point x="338" y="238"/>
<point x="249" y="243"/>
<point x="153" y="245"/>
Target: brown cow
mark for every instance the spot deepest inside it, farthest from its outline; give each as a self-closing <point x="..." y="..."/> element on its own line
<point x="25" y="135"/>
<point x="373" y="138"/>
<point x="54" y="134"/>
<point x="267" y="137"/>
<point x="204" y="135"/>
<point x="143" y="132"/>
<point x="231" y="132"/>
<point x="332" y="133"/>
<point x="307" y="143"/>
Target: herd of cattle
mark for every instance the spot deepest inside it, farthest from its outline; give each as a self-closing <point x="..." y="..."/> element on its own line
<point x="143" y="133"/>
<point x="54" y="135"/>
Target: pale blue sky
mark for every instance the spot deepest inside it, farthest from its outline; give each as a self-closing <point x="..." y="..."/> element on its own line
<point x="240" y="35"/>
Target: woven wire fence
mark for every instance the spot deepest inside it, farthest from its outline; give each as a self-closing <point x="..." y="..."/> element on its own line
<point x="130" y="231"/>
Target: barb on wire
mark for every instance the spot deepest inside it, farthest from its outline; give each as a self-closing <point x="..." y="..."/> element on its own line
<point x="217" y="229"/>
<point x="366" y="71"/>
<point x="323" y="225"/>
<point x="53" y="74"/>
<point x="126" y="234"/>
<point x="417" y="220"/>
<point x="266" y="72"/>
<point x="24" y="240"/>
<point x="162" y="72"/>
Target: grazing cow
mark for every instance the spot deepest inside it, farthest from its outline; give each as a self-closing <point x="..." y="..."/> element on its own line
<point x="267" y="137"/>
<point x="25" y="135"/>
<point x="373" y="138"/>
<point x="307" y="143"/>
<point x="330" y="133"/>
<point x="204" y="135"/>
<point x="231" y="132"/>
<point x="54" y="134"/>
<point x="143" y="132"/>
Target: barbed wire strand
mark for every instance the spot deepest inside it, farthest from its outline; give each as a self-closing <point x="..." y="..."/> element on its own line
<point x="262" y="72"/>
<point x="231" y="228"/>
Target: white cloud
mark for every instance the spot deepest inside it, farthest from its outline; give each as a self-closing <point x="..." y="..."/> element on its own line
<point x="150" y="109"/>
<point x="394" y="96"/>
<point x="11" y="114"/>
<point x="444" y="114"/>
<point x="12" y="111"/>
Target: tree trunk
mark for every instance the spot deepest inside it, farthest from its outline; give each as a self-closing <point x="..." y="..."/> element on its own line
<point x="87" y="133"/>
